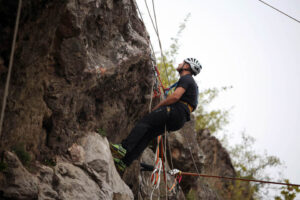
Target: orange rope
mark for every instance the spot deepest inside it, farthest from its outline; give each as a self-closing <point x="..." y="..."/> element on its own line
<point x="240" y="179"/>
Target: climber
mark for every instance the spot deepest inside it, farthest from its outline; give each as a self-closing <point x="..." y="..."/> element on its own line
<point x="171" y="113"/>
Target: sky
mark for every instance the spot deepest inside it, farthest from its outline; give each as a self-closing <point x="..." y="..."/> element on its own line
<point x="255" y="49"/>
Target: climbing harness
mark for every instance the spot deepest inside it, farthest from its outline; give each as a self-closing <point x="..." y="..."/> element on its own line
<point x="188" y="105"/>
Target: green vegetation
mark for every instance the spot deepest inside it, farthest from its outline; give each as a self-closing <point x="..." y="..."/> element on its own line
<point x="49" y="162"/>
<point x="213" y="120"/>
<point x="101" y="132"/>
<point x="192" y="195"/>
<point x="288" y="192"/>
<point x="22" y="154"/>
<point x="250" y="165"/>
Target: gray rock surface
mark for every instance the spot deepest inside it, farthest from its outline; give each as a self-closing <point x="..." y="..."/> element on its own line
<point x="19" y="183"/>
<point x="209" y="157"/>
<point x="216" y="162"/>
<point x="57" y="90"/>
<point x="94" y="178"/>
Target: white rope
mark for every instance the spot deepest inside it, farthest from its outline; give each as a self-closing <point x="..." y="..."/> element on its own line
<point x="11" y="61"/>
<point x="150" y="16"/>
<point x="170" y="152"/>
<point x="155" y="27"/>
<point x="189" y="147"/>
<point x="151" y="97"/>
<point x="165" y="159"/>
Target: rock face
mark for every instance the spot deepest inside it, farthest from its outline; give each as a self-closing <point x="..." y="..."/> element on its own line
<point x="209" y="157"/>
<point x="81" y="66"/>
<point x="93" y="177"/>
<point x="57" y="92"/>
<point x="216" y="162"/>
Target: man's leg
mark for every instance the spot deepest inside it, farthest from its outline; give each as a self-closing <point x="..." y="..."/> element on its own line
<point x="139" y="148"/>
<point x="148" y="128"/>
<point x="158" y="121"/>
<point x="136" y="134"/>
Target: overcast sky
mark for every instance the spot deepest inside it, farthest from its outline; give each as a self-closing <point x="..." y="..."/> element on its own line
<point x="255" y="49"/>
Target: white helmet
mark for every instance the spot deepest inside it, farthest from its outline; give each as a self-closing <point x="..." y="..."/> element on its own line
<point x="194" y="64"/>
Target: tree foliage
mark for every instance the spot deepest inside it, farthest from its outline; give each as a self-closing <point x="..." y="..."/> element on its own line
<point x="250" y="165"/>
<point x="215" y="119"/>
<point x="288" y="192"/>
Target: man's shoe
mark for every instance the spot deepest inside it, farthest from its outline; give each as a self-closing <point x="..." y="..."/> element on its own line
<point x="120" y="165"/>
<point x="117" y="150"/>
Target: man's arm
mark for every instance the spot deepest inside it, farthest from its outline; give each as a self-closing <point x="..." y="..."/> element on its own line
<point x="171" y="98"/>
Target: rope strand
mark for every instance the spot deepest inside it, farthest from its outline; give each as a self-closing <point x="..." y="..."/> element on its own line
<point x="11" y="61"/>
<point x="280" y="11"/>
<point x="234" y="178"/>
<point x="189" y="147"/>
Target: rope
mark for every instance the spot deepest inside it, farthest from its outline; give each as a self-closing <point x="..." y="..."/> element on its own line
<point x="157" y="171"/>
<point x="155" y="176"/>
<point x="153" y="61"/>
<point x="140" y="14"/>
<point x="233" y="178"/>
<point x="159" y="42"/>
<point x="150" y="16"/>
<point x="189" y="147"/>
<point x="279" y="11"/>
<point x="164" y="63"/>
<point x="165" y="156"/>
<point x="155" y="27"/>
<point x="11" y="61"/>
<point x="150" y="104"/>
<point x="170" y="152"/>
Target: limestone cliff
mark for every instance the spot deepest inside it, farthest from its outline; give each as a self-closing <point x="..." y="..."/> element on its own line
<point x="82" y="66"/>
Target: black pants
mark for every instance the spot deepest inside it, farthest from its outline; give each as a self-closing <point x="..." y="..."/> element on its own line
<point x="151" y="126"/>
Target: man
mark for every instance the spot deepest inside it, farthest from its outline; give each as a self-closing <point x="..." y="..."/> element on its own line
<point x="171" y="113"/>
